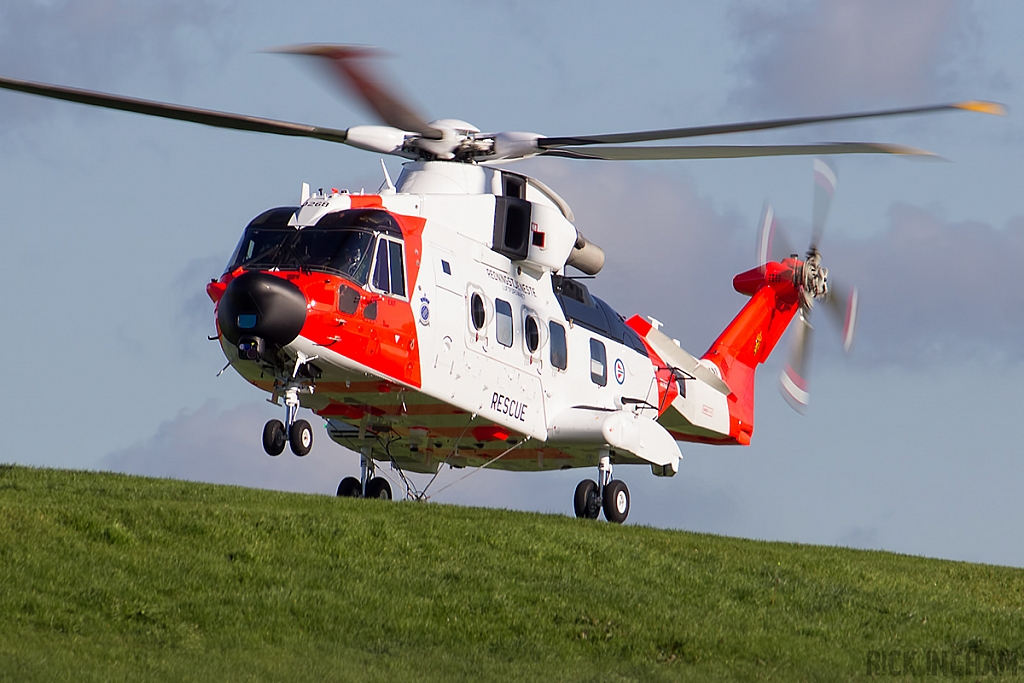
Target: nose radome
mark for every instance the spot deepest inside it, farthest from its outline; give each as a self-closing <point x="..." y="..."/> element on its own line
<point x="264" y="306"/>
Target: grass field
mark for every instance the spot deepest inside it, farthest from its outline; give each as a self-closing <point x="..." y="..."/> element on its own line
<point x="108" y="577"/>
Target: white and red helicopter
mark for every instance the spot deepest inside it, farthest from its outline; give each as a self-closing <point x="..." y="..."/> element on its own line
<point x="434" y="322"/>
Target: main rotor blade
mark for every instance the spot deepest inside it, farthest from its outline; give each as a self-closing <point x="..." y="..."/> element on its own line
<point x="696" y="131"/>
<point x="824" y="189"/>
<point x="793" y="380"/>
<point x="177" y="112"/>
<point x="730" y="151"/>
<point x="349" y="62"/>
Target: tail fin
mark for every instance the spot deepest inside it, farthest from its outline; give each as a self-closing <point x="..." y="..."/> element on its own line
<point x="752" y="335"/>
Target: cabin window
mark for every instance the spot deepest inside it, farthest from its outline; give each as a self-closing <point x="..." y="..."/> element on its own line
<point x="598" y="363"/>
<point x="477" y="312"/>
<point x="531" y="331"/>
<point x="581" y="308"/>
<point x="559" y="349"/>
<point x="503" y="320"/>
<point x="389" y="268"/>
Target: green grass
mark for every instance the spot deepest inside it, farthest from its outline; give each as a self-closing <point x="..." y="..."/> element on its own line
<point x="108" y="577"/>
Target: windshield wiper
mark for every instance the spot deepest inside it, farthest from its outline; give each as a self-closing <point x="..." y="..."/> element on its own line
<point x="287" y="252"/>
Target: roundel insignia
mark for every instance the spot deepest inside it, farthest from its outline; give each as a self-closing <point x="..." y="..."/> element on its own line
<point x="620" y="371"/>
<point x="424" y="310"/>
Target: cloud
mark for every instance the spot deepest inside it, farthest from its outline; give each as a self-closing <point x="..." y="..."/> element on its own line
<point x="671" y="250"/>
<point x="861" y="537"/>
<point x="936" y="291"/>
<point x="826" y="55"/>
<point x="932" y="290"/>
<point x="194" y="319"/>
<point x="223" y="446"/>
<point x="96" y="43"/>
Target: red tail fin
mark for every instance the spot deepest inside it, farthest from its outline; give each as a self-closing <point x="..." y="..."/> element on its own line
<point x="752" y="335"/>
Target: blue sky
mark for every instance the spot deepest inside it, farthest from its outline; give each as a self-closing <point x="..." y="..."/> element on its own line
<point x="113" y="223"/>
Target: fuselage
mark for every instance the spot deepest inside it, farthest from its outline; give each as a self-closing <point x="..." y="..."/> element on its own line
<point x="437" y="335"/>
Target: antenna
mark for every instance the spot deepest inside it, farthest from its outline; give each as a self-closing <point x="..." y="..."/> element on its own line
<point x="387" y="187"/>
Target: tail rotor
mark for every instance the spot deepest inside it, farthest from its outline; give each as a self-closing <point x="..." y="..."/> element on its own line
<point x="813" y="284"/>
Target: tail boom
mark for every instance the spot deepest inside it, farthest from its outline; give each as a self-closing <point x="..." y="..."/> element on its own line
<point x="711" y="399"/>
<point x="752" y="336"/>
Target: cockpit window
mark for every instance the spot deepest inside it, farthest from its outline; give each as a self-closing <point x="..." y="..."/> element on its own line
<point x="367" y="219"/>
<point x="263" y="236"/>
<point x="259" y="246"/>
<point x="340" y="242"/>
<point x="346" y="252"/>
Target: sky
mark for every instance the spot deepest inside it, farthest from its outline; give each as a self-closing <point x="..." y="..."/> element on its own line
<point x="113" y="223"/>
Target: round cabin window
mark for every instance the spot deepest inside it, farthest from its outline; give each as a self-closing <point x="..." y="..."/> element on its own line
<point x="477" y="311"/>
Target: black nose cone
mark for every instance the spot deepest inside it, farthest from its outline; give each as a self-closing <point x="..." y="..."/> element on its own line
<point x="261" y="305"/>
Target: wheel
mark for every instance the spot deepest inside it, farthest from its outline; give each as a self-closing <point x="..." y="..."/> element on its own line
<point x="300" y="437"/>
<point x="274" y="437"/>
<point x="378" y="487"/>
<point x="586" y="501"/>
<point x="350" y="488"/>
<point x="616" y="501"/>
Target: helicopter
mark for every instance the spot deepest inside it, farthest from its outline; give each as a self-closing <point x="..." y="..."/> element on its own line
<point x="435" y="322"/>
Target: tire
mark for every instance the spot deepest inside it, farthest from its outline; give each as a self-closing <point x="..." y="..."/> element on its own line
<point x="274" y="437"/>
<point x="300" y="437"/>
<point x="378" y="487"/>
<point x="350" y="488"/>
<point x="585" y="501"/>
<point x="616" y="501"/>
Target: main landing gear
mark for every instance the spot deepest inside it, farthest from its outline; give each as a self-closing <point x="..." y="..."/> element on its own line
<point x="610" y="494"/>
<point x="296" y="433"/>
<point x="367" y="486"/>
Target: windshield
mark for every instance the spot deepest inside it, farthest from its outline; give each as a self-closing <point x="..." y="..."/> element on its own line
<point x="262" y="237"/>
<point x="339" y="243"/>
<point x="346" y="252"/>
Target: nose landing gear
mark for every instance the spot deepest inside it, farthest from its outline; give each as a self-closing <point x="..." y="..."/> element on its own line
<point x="300" y="437"/>
<point x="274" y="437"/>
<point x="296" y="433"/>
<point x="610" y="494"/>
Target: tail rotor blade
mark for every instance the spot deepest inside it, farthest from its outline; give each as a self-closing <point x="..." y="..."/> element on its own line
<point x="772" y="244"/>
<point x="766" y="236"/>
<point x="824" y="189"/>
<point x="793" y="380"/>
<point x="842" y="304"/>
